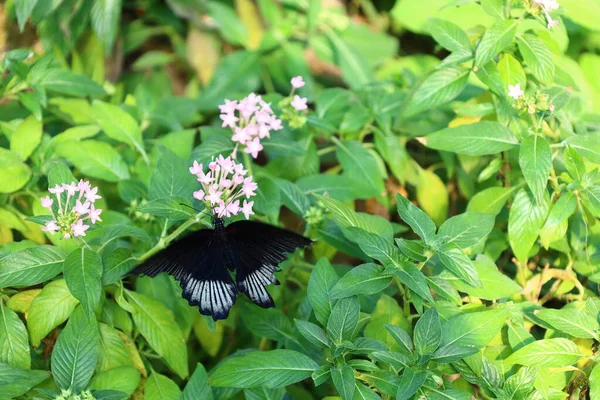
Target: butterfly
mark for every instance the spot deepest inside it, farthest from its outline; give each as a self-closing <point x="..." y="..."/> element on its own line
<point x="201" y="260"/>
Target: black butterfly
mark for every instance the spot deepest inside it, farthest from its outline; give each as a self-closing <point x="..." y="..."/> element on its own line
<point x="200" y="260"/>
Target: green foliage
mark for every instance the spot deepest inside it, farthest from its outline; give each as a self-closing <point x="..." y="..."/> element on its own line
<point x="454" y="218"/>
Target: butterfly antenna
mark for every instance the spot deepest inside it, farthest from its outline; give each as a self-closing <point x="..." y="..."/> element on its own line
<point x="195" y="209"/>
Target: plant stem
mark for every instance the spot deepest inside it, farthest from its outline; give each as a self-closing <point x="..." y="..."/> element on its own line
<point x="248" y="163"/>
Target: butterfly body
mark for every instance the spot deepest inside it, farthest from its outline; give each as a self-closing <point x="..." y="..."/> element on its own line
<point x="200" y="262"/>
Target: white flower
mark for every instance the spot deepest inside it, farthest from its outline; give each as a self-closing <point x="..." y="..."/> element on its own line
<point x="299" y="103"/>
<point x="297" y="82"/>
<point x="515" y="91"/>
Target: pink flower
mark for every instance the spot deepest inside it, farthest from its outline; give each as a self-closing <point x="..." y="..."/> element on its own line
<point x="220" y="209"/>
<point x="238" y="179"/>
<point x="253" y="147"/>
<point x="47" y="202"/>
<point x="199" y="194"/>
<point x="196" y="168"/>
<point x="84" y="186"/>
<point x="95" y="214"/>
<point x="515" y="91"/>
<point x="227" y="164"/>
<point x="229" y="120"/>
<point x="58" y="189"/>
<point x="81" y="209"/>
<point x="214" y="196"/>
<point x="551" y="22"/>
<point x="91" y="195"/>
<point x="232" y="208"/>
<point x="71" y="188"/>
<point x="241" y="135"/>
<point x="247" y="209"/>
<point x="275" y="124"/>
<point x="51" y="227"/>
<point x="266" y="107"/>
<point x="297" y="82"/>
<point x="67" y="236"/>
<point x="249" y="187"/>
<point x="79" y="228"/>
<point x="229" y="107"/>
<point x="299" y="103"/>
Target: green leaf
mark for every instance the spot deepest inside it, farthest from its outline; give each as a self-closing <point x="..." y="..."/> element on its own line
<point x="573" y="322"/>
<point x="171" y="177"/>
<point x="14" y="342"/>
<point x="14" y="382"/>
<point x="338" y="187"/>
<point x="495" y="285"/>
<point x="535" y="160"/>
<point x="432" y="197"/>
<point x="439" y="88"/>
<point x="116" y="123"/>
<point x="159" y="387"/>
<point x="322" y="280"/>
<point x="94" y="158"/>
<point x="362" y="392"/>
<point x="401" y="337"/>
<point x="230" y="25"/>
<point x="478" y="139"/>
<point x="27" y="137"/>
<point x="473" y="329"/>
<point x="271" y="369"/>
<point x="116" y="265"/>
<point x="412" y="277"/>
<point x="549" y="353"/>
<point x="450" y="36"/>
<point x="343" y="320"/>
<point x="172" y="207"/>
<point x="428" y="332"/>
<point x="311" y="332"/>
<point x="157" y="325"/>
<point x="105" y="17"/>
<point x="272" y="324"/>
<point x="49" y="309"/>
<point x="197" y="387"/>
<point x="344" y="216"/>
<point x="525" y="221"/>
<point x="494" y="40"/>
<point x="459" y="264"/>
<point x="363" y="279"/>
<point x="343" y="380"/>
<point x="293" y="197"/>
<point x="75" y="354"/>
<point x="361" y="165"/>
<point x="490" y="200"/>
<point x="83" y="271"/>
<point x="537" y="56"/>
<point x="14" y="174"/>
<point x="113" y="352"/>
<point x="23" y="10"/>
<point x="410" y="381"/>
<point x="595" y="382"/>
<point x="511" y="71"/>
<point x="420" y="222"/>
<point x="495" y="8"/>
<point x="355" y="71"/>
<point x="65" y="82"/>
<point x="122" y="379"/>
<point x="386" y="312"/>
<point x="587" y="145"/>
<point x="59" y="174"/>
<point x="31" y="266"/>
<point x="466" y="230"/>
<point x="452" y="353"/>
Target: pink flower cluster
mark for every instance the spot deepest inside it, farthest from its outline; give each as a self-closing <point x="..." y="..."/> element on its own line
<point x="548" y="6"/>
<point x="69" y="219"/>
<point x="251" y="120"/>
<point x="223" y="185"/>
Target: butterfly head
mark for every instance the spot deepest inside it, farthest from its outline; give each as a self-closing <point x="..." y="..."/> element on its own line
<point x="218" y="223"/>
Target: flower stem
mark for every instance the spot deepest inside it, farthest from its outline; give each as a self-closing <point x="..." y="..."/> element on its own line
<point x="248" y="163"/>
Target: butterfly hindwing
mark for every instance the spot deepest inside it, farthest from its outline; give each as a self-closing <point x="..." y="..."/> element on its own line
<point x="198" y="262"/>
<point x="257" y="250"/>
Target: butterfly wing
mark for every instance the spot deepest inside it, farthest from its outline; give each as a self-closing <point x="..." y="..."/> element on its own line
<point x="257" y="250"/>
<point x="197" y="261"/>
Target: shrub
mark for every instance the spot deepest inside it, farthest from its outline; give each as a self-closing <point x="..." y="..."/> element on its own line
<point x="442" y="155"/>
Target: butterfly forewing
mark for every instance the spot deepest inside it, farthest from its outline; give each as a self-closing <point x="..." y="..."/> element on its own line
<point x="200" y="260"/>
